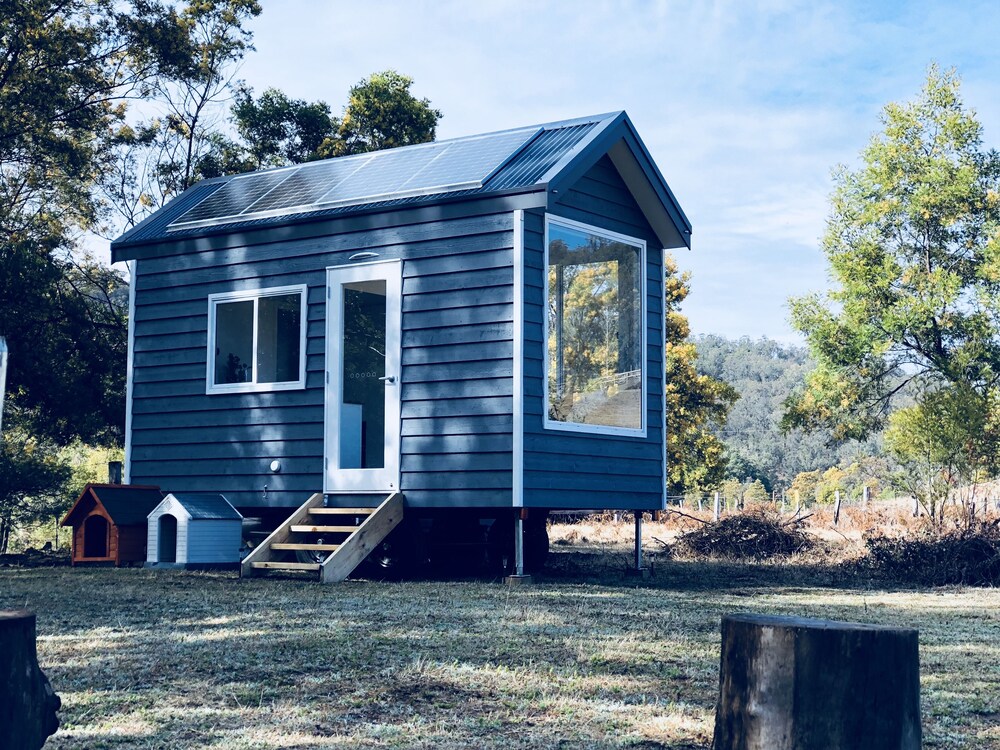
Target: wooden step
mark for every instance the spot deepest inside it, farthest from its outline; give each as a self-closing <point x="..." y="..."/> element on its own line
<point x="284" y="566"/>
<point x="356" y="541"/>
<point x="323" y="529"/>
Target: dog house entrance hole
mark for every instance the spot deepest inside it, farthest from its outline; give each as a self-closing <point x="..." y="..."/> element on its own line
<point x="95" y="537"/>
<point x="168" y="539"/>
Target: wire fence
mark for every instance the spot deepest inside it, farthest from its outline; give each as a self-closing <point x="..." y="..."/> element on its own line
<point x="978" y="500"/>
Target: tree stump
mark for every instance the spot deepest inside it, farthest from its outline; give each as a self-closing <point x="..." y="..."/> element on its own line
<point x="28" y="704"/>
<point x="788" y="683"/>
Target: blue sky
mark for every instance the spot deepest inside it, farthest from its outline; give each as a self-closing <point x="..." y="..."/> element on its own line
<point x="746" y="107"/>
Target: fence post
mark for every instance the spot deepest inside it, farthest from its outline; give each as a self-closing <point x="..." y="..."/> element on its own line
<point x="865" y="496"/>
<point x="715" y="513"/>
<point x="836" y="507"/>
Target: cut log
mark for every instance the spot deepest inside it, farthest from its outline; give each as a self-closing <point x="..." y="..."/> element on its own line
<point x="28" y="704"/>
<point x="787" y="682"/>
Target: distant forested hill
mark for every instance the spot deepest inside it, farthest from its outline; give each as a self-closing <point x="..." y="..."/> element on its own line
<point x="765" y="372"/>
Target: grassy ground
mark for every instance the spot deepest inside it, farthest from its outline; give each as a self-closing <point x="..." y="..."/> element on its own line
<point x="584" y="658"/>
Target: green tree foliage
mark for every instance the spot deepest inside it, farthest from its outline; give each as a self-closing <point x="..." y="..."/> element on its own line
<point x="66" y="326"/>
<point x="913" y="244"/>
<point x="739" y="494"/>
<point x="764" y="372"/>
<point x="804" y="489"/>
<point x="33" y="478"/>
<point x="695" y="401"/>
<point x="945" y="441"/>
<point x="382" y="113"/>
<point x="849" y="477"/>
<point x="66" y="67"/>
<point x="274" y="130"/>
<point x="154" y="158"/>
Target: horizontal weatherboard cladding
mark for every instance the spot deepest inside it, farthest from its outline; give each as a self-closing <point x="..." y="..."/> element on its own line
<point x="565" y="469"/>
<point x="457" y="338"/>
<point x="457" y="388"/>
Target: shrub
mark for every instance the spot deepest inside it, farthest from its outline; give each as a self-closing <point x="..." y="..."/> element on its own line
<point x="969" y="556"/>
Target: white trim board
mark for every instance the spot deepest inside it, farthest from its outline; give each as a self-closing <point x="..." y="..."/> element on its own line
<point x="385" y="479"/>
<point x="518" y="426"/>
<point x="593" y="429"/>
<point x="255" y="295"/>
<point x="133" y="275"/>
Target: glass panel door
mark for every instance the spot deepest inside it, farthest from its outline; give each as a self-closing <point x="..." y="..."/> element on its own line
<point x="362" y="412"/>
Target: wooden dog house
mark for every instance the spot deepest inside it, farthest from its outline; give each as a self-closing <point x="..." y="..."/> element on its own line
<point x="109" y="523"/>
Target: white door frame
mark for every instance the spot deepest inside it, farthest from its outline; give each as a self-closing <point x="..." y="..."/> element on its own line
<point x="386" y="479"/>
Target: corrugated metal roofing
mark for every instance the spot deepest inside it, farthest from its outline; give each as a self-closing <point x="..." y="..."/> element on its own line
<point x="156" y="225"/>
<point x="207" y="507"/>
<point x="520" y="173"/>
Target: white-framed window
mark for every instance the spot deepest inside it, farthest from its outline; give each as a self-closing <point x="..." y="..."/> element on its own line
<point x="257" y="340"/>
<point x="595" y="330"/>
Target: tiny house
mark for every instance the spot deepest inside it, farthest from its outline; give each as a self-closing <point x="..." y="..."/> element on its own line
<point x="109" y="523"/>
<point x="473" y="326"/>
<point x="194" y="530"/>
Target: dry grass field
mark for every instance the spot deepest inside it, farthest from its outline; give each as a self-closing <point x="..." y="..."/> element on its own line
<point x="583" y="658"/>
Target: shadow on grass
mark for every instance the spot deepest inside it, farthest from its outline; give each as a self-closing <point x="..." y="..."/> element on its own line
<point x="608" y="566"/>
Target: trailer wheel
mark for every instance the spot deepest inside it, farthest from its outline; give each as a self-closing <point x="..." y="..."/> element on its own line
<point x="311" y="556"/>
<point x="393" y="557"/>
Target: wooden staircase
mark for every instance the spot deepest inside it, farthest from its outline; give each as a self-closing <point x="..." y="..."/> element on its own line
<point x="338" y="538"/>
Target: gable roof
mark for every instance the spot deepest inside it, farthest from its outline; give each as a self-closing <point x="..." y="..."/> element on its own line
<point x="126" y="504"/>
<point x="205" y="507"/>
<point x="544" y="159"/>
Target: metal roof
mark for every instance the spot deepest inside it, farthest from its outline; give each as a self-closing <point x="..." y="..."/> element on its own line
<point x="538" y="155"/>
<point x="205" y="507"/>
<point x="433" y="168"/>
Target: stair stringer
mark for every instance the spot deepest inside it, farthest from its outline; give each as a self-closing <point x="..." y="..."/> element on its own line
<point x="263" y="552"/>
<point x="359" y="545"/>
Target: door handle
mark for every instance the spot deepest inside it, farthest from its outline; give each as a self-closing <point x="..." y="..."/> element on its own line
<point x="388" y="379"/>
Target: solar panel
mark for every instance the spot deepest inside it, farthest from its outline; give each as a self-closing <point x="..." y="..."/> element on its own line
<point x="383" y="176"/>
<point x="470" y="160"/>
<point x="235" y="196"/>
<point x="308" y="184"/>
<point x="424" y="169"/>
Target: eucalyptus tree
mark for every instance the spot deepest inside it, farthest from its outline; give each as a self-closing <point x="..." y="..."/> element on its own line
<point x="913" y="245"/>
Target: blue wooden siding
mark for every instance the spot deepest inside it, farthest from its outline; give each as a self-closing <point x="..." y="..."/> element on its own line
<point x="457" y="348"/>
<point x="457" y="367"/>
<point x="574" y="470"/>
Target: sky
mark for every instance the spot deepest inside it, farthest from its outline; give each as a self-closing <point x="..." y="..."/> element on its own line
<point x="746" y="107"/>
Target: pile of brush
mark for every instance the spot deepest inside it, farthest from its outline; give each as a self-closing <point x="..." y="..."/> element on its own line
<point x="753" y="535"/>
<point x="969" y="555"/>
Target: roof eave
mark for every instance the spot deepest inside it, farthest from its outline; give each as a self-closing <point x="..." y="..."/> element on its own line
<point x="120" y="248"/>
<point x="67" y="519"/>
<point x="618" y="139"/>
